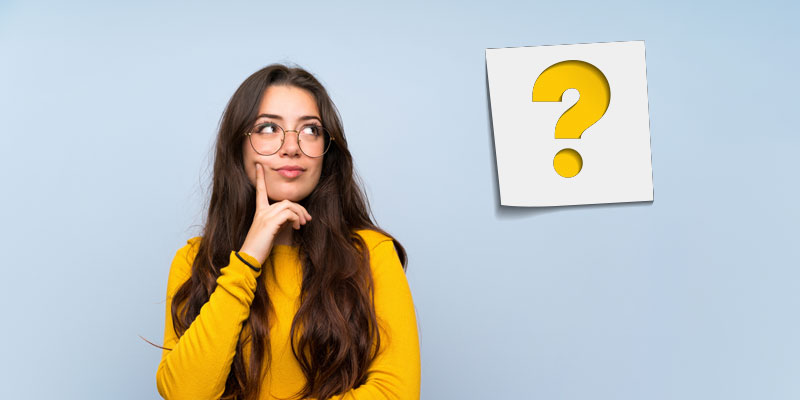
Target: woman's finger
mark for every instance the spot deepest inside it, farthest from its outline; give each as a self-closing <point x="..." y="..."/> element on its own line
<point x="262" y="197"/>
<point x="297" y="209"/>
<point x="301" y="211"/>
<point x="287" y="215"/>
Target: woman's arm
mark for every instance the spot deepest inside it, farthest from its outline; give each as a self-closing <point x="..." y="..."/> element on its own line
<point x="395" y="373"/>
<point x="198" y="365"/>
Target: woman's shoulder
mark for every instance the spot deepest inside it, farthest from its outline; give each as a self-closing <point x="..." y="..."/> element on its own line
<point x="191" y="246"/>
<point x="372" y="237"/>
<point x="181" y="268"/>
<point x="186" y="254"/>
<point x="383" y="252"/>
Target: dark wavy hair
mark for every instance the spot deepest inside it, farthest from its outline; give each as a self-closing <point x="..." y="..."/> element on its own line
<point x="335" y="333"/>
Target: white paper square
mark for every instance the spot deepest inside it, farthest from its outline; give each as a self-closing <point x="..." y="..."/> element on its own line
<point x="615" y="150"/>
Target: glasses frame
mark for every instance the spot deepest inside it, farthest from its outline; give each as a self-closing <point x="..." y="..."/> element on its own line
<point x="283" y="138"/>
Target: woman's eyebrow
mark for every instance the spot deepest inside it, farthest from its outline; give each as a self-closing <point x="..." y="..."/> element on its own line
<point x="303" y="118"/>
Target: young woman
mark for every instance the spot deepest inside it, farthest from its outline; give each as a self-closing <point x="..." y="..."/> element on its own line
<point x="291" y="291"/>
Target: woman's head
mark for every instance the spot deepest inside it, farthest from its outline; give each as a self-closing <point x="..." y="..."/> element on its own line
<point x="279" y="98"/>
<point x="287" y="112"/>
<point x="336" y="274"/>
<point x="291" y="98"/>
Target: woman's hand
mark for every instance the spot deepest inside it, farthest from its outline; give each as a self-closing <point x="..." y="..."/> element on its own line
<point x="269" y="218"/>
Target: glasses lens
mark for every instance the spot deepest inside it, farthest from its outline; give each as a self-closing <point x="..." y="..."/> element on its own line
<point x="314" y="140"/>
<point x="266" y="138"/>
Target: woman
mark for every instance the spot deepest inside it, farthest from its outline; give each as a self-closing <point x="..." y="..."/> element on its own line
<point x="292" y="291"/>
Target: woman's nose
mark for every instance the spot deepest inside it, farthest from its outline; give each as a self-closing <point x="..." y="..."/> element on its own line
<point x="290" y="143"/>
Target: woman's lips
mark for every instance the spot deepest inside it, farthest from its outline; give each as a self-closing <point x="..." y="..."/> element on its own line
<point x="290" y="173"/>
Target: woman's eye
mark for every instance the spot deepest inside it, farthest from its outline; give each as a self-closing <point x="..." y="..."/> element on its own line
<point x="268" y="128"/>
<point x="311" y="130"/>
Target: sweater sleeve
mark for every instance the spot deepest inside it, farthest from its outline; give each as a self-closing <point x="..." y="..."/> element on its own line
<point x="395" y="372"/>
<point x="199" y="361"/>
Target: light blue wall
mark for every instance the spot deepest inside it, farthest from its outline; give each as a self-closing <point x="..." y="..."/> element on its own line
<point x="108" y="112"/>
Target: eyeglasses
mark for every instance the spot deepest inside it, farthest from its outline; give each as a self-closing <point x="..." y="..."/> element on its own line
<point x="268" y="137"/>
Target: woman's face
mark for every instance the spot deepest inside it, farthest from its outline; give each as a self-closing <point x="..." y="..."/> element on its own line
<point x="291" y="108"/>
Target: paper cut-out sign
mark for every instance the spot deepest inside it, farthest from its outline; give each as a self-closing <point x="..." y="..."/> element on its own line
<point x="571" y="124"/>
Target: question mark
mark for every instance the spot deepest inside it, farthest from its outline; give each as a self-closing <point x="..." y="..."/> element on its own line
<point x="595" y="95"/>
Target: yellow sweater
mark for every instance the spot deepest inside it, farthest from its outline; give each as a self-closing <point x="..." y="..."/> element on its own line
<point x="198" y="364"/>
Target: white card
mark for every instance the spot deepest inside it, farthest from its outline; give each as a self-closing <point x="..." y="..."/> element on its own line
<point x="614" y="150"/>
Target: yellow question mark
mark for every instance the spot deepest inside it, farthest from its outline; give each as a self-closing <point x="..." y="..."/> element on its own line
<point x="595" y="95"/>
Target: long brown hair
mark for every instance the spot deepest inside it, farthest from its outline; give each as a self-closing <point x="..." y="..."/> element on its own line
<point x="335" y="333"/>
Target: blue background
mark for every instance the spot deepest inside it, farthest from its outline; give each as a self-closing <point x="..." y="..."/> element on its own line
<point x="109" y="114"/>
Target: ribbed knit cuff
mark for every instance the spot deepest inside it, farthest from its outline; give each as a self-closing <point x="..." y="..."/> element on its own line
<point x="249" y="261"/>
